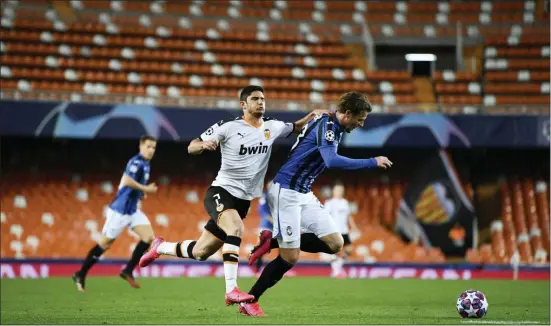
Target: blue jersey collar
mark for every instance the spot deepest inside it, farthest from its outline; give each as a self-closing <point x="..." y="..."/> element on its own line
<point x="333" y="117"/>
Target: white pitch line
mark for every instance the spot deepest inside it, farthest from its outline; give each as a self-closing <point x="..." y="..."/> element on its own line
<point x="503" y="322"/>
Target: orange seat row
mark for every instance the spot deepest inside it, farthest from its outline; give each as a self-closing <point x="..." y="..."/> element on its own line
<point x="516" y="88"/>
<point x="174" y="32"/>
<point x="173" y="42"/>
<point x="452" y="88"/>
<point x="513" y="76"/>
<point x="230" y="92"/>
<point x="526" y="52"/>
<point x="458" y="76"/>
<point x="309" y="5"/>
<point x="185" y="80"/>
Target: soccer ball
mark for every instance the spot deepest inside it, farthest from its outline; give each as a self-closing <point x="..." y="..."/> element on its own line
<point x="472" y="304"/>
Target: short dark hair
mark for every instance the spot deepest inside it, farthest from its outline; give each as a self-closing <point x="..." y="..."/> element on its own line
<point x="145" y="138"/>
<point x="247" y="91"/>
<point x="355" y="102"/>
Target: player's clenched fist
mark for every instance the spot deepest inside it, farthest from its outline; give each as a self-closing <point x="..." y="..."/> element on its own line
<point x="383" y="162"/>
<point x="151" y="188"/>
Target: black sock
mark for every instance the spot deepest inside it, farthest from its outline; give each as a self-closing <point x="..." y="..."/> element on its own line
<point x="274" y="244"/>
<point x="273" y="272"/>
<point x="309" y="242"/>
<point x="258" y="264"/>
<point x="140" y="249"/>
<point x="91" y="259"/>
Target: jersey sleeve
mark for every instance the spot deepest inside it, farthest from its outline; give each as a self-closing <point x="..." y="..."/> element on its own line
<point x="134" y="169"/>
<point x="283" y="129"/>
<point x="216" y="132"/>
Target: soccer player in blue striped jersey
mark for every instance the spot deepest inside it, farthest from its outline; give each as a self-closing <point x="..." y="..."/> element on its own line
<point x="124" y="212"/>
<point x="300" y="221"/>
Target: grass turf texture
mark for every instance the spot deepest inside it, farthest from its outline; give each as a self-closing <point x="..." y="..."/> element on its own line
<point x="110" y="300"/>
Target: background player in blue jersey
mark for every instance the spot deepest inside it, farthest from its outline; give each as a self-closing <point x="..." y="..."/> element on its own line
<point x="124" y="212"/>
<point x="266" y="220"/>
<point x="300" y="221"/>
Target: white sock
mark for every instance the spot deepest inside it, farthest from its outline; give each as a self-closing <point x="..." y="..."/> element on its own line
<point x="334" y="268"/>
<point x="230" y="254"/>
<point x="339" y="264"/>
<point x="167" y="248"/>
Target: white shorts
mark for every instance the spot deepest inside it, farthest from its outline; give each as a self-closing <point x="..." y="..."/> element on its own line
<point x="295" y="213"/>
<point x="116" y="222"/>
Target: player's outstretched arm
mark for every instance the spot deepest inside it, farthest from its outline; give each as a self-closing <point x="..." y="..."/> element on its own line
<point x="127" y="181"/>
<point x="334" y="160"/>
<point x="299" y="124"/>
<point x="197" y="146"/>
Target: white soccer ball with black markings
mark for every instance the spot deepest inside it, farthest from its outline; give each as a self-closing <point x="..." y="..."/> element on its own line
<point x="472" y="304"/>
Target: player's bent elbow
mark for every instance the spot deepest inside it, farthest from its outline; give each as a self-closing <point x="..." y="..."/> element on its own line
<point x="329" y="163"/>
<point x="194" y="148"/>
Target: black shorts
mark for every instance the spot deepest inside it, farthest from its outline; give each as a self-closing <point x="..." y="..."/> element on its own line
<point x="217" y="200"/>
<point x="346" y="238"/>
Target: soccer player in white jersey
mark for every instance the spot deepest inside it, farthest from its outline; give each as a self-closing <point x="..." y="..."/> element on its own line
<point x="124" y="212"/>
<point x="300" y="221"/>
<point x="246" y="145"/>
<point x="339" y="209"/>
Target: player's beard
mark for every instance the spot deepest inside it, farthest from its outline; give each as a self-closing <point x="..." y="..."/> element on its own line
<point x="255" y="113"/>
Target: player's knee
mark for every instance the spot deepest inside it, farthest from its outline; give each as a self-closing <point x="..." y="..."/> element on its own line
<point x="335" y="244"/>
<point x="105" y="243"/>
<point x="236" y="228"/>
<point x="292" y="260"/>
<point x="290" y="255"/>
<point x="230" y="222"/>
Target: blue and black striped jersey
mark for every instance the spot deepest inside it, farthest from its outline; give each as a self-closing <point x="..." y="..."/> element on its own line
<point x="306" y="162"/>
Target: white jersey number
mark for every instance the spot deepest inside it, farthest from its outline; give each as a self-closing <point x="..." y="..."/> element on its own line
<point x="303" y="132"/>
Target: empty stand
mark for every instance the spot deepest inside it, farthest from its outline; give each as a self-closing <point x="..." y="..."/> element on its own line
<point x="163" y="51"/>
<point x="523" y="228"/>
<point x="141" y="53"/>
<point x="54" y="217"/>
<point x="517" y="67"/>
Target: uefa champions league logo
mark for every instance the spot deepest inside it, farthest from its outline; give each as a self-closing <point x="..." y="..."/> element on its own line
<point x="151" y="120"/>
<point x="441" y="127"/>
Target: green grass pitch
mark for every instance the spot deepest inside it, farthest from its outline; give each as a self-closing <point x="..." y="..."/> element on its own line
<point x="109" y="300"/>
